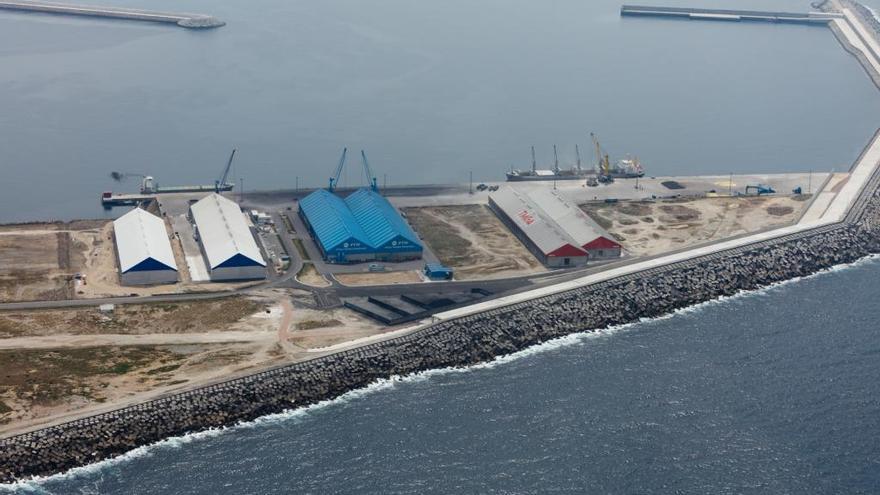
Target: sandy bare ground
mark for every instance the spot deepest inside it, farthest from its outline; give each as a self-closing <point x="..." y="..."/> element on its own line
<point x="63" y="341"/>
<point x="471" y="240"/>
<point x="647" y="228"/>
<point x="38" y="261"/>
<point x="309" y="276"/>
<point x="59" y="364"/>
<point x="379" y="278"/>
<point x="313" y="328"/>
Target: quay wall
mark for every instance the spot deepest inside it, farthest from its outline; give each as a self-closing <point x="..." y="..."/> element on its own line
<point x="459" y="342"/>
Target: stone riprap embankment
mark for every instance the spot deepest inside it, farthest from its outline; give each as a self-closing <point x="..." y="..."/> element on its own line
<point x="460" y="342"/>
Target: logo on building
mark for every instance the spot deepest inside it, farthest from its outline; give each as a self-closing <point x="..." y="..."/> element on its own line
<point x="526" y="217"/>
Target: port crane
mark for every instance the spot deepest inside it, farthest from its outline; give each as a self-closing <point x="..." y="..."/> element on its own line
<point x="222" y="185"/>
<point x="370" y="177"/>
<point x="577" y="153"/>
<point x="148" y="183"/>
<point x="604" y="162"/>
<point x="334" y="181"/>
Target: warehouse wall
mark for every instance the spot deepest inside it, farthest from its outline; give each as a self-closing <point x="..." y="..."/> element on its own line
<point x="238" y="273"/>
<point x="148" y="277"/>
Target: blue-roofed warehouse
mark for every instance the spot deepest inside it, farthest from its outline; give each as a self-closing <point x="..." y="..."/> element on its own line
<point x="362" y="227"/>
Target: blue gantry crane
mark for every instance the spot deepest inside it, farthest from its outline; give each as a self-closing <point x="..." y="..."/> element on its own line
<point x="334" y="181"/>
<point x="222" y="185"/>
<point x="370" y="177"/>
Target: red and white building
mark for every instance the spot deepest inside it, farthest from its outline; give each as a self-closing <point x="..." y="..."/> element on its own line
<point x="557" y="232"/>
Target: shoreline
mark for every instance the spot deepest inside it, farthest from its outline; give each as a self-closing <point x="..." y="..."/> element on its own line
<point x="559" y="342"/>
<point x="455" y="343"/>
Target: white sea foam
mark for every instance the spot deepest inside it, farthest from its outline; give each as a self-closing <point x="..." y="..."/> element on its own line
<point x="35" y="485"/>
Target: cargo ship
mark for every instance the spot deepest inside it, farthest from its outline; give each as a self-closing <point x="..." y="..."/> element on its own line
<point x="627" y="168"/>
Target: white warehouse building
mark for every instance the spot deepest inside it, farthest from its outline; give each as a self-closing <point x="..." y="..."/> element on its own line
<point x="229" y="248"/>
<point x="556" y="231"/>
<point x="143" y="249"/>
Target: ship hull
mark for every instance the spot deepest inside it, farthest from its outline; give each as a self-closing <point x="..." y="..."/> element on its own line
<point x="530" y="178"/>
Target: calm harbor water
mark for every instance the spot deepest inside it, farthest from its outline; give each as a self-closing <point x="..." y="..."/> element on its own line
<point x="774" y="392"/>
<point x="431" y="90"/>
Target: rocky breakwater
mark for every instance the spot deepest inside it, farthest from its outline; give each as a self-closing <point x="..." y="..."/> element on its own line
<point x="460" y="342"/>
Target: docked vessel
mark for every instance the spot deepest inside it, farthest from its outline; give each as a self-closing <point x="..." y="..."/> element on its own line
<point x="627" y="168"/>
<point x="556" y="173"/>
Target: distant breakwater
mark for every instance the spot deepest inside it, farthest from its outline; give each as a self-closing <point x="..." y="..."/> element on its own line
<point x="456" y="343"/>
<point x="190" y="21"/>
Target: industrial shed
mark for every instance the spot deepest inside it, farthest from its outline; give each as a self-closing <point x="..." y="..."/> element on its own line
<point x="143" y="249"/>
<point x="536" y="229"/>
<point x="227" y="243"/>
<point x="556" y="231"/>
<point x="362" y="227"/>
<point x="587" y="234"/>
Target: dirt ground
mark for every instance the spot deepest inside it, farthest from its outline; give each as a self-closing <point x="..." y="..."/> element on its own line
<point x="471" y="240"/>
<point x="309" y="275"/>
<point x="58" y="363"/>
<point x="38" y="261"/>
<point x="140" y="319"/>
<point x="313" y="328"/>
<point x="647" y="228"/>
<point x="379" y="278"/>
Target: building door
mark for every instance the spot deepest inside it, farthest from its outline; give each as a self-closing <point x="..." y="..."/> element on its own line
<point x="567" y="261"/>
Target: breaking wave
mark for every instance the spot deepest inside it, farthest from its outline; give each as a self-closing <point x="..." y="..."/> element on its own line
<point x="36" y="485"/>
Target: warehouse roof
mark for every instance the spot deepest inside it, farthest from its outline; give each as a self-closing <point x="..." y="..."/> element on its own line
<point x="379" y="220"/>
<point x="226" y="237"/>
<point x="535" y="223"/>
<point x="142" y="242"/>
<point x="572" y="220"/>
<point x="364" y="216"/>
<point x="331" y="219"/>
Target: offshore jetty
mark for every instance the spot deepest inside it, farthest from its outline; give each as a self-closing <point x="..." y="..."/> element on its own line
<point x="847" y="229"/>
<point x="726" y="14"/>
<point x="192" y="21"/>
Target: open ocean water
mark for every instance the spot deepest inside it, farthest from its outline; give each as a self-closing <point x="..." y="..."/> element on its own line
<point x="773" y="391"/>
<point x="770" y="392"/>
<point x="432" y="90"/>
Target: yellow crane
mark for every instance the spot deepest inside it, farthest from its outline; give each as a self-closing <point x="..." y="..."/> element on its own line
<point x="604" y="162"/>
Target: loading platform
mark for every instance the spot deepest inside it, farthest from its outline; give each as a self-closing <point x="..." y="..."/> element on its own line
<point x="110" y="199"/>
<point x="192" y="21"/>
<point x="818" y="18"/>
